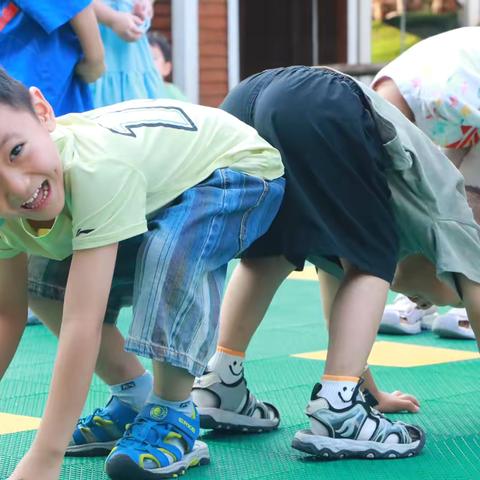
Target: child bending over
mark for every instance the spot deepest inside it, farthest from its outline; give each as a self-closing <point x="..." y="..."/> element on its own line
<point x="178" y="187"/>
<point x="441" y="98"/>
<point x="370" y="199"/>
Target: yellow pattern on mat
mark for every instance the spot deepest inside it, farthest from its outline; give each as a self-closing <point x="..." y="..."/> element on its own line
<point x="309" y="273"/>
<point x="17" y="423"/>
<point x="393" y="354"/>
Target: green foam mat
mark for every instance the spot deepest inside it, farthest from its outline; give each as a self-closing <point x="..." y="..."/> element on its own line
<point x="449" y="394"/>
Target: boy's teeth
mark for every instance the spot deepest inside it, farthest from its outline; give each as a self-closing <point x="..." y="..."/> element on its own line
<point x="43" y="190"/>
<point x="32" y="198"/>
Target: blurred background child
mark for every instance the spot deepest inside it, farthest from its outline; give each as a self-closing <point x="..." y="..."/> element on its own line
<point x="55" y="46"/>
<point x="131" y="73"/>
<point x="162" y="57"/>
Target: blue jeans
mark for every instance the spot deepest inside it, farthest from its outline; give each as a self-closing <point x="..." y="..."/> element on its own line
<point x="176" y="283"/>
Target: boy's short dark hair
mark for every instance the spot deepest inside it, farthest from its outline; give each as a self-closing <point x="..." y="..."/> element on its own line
<point x="156" y="39"/>
<point x="13" y="93"/>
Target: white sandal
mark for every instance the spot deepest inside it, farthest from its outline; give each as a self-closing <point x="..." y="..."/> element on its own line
<point x="449" y="326"/>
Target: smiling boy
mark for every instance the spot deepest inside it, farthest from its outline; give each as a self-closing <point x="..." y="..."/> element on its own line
<point x="186" y="188"/>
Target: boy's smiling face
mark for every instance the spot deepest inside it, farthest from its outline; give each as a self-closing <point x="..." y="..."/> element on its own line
<point x="31" y="174"/>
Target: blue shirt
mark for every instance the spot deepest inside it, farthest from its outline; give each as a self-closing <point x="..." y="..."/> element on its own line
<point x="39" y="48"/>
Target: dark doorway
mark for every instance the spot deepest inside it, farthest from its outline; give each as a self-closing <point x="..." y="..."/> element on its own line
<point x="275" y="33"/>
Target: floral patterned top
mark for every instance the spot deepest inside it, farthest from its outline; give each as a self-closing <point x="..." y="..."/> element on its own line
<point x="439" y="78"/>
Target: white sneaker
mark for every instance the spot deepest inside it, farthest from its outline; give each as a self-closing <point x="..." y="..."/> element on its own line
<point x="403" y="317"/>
<point x="453" y="324"/>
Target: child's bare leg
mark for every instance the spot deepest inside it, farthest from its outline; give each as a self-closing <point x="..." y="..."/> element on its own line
<point x="387" y="402"/>
<point x="329" y="286"/>
<point x="171" y="383"/>
<point x="247" y="298"/>
<point x="114" y="365"/>
<point x="128" y="382"/>
<point x="341" y="423"/>
<point x="354" y="322"/>
<point x="221" y="394"/>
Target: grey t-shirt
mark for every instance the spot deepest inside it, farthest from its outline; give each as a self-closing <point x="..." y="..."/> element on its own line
<point x="428" y="194"/>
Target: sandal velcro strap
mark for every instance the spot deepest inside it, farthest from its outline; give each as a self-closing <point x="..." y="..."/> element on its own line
<point x="187" y="427"/>
<point x="154" y="436"/>
<point x="104" y="424"/>
<point x="165" y="453"/>
<point x="370" y="399"/>
<point x="252" y="405"/>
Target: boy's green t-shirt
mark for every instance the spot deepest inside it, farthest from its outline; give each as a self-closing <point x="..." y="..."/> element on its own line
<point x="125" y="161"/>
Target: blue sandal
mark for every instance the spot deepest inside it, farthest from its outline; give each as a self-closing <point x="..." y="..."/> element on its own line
<point x="98" y="433"/>
<point x="149" y="448"/>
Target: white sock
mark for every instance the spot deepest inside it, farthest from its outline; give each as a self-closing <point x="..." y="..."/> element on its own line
<point x="338" y="391"/>
<point x="135" y="391"/>
<point x="227" y="364"/>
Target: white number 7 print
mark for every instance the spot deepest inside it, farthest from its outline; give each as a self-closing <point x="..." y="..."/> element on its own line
<point x="140" y="117"/>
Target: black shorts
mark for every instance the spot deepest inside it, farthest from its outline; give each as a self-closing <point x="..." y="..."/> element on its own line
<point x="337" y="202"/>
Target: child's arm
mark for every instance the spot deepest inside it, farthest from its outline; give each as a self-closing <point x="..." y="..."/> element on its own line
<point x="455" y="155"/>
<point x="471" y="301"/>
<point x="85" y="25"/>
<point x="13" y="307"/>
<point x="125" y="25"/>
<point x="85" y="302"/>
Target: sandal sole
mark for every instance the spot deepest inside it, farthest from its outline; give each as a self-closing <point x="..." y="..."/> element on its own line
<point x="218" y="419"/>
<point x="90" y="450"/>
<point x="326" y="448"/>
<point x="122" y="467"/>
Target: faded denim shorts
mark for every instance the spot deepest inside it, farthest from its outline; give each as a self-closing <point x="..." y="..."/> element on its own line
<point x="174" y="273"/>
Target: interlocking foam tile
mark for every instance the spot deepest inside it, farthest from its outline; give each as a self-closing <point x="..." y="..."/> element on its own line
<point x="17" y="423"/>
<point x="392" y="354"/>
<point x="449" y="393"/>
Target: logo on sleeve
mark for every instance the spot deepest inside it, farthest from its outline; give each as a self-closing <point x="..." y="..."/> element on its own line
<point x="84" y="231"/>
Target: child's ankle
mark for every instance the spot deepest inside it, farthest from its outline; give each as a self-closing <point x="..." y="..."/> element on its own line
<point x="135" y="391"/>
<point x="339" y="391"/>
<point x="186" y="407"/>
<point x="227" y="364"/>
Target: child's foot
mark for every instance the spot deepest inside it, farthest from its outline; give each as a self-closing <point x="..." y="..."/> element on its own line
<point x="454" y="324"/>
<point x="161" y="443"/>
<point x="403" y="317"/>
<point x="98" y="433"/>
<point x="356" y="431"/>
<point x="231" y="406"/>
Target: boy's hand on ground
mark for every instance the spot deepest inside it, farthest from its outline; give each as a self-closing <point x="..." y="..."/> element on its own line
<point x="127" y="26"/>
<point x="89" y="71"/>
<point x="396" y="402"/>
<point x="37" y="466"/>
